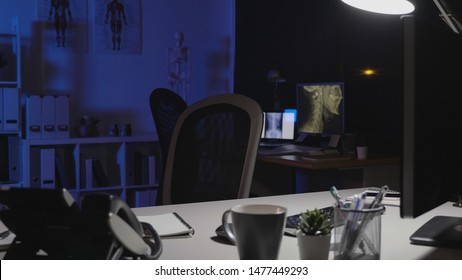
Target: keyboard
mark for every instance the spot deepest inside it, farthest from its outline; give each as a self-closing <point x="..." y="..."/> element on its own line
<point x="291" y="149"/>
<point x="273" y="144"/>
<point x="373" y="191"/>
<point x="293" y="220"/>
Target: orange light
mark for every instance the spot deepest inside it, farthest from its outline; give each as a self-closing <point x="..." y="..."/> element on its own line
<point x="369" y="72"/>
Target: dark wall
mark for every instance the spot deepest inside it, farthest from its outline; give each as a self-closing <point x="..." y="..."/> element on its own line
<point x="326" y="41"/>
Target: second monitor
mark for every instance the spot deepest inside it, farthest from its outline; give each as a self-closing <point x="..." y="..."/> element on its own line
<point x="278" y="125"/>
<point x="320" y="108"/>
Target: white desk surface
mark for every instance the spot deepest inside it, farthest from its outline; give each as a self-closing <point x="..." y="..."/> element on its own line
<point x="206" y="217"/>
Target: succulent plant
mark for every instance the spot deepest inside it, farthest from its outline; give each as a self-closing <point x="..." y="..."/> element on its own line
<point x="314" y="222"/>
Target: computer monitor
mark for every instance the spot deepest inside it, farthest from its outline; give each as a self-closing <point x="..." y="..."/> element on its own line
<point x="278" y="126"/>
<point x="320" y="108"/>
<point x="432" y="153"/>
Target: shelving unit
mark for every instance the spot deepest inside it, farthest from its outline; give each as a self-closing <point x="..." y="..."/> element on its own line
<point x="10" y="45"/>
<point x="10" y="113"/>
<point x="125" y="166"/>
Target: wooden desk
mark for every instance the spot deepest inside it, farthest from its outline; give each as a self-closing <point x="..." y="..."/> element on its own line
<point x="285" y="174"/>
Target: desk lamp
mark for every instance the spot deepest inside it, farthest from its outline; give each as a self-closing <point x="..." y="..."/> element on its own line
<point x="274" y="76"/>
<point x="392" y="7"/>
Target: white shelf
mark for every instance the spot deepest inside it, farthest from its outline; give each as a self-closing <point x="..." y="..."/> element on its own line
<point x="91" y="140"/>
<point x="10" y="113"/>
<point x="122" y="162"/>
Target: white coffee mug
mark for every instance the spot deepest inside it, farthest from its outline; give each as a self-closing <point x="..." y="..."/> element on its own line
<point x="257" y="230"/>
<point x="361" y="152"/>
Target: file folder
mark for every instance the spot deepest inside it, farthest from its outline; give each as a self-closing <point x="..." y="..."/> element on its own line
<point x="48" y="117"/>
<point x="131" y="168"/>
<point x="135" y="168"/>
<point x="47" y="168"/>
<point x="14" y="149"/>
<point x="4" y="177"/>
<point x="10" y="109"/>
<point x="34" y="117"/>
<point x="35" y="180"/>
<point x="148" y="170"/>
<point x="152" y="170"/>
<point x="62" y="116"/>
<point x="1" y="109"/>
<point x="88" y="165"/>
<point x="99" y="175"/>
<point x="62" y="180"/>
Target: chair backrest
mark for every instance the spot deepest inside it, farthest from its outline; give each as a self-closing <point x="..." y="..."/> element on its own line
<point x="166" y="107"/>
<point x="213" y="150"/>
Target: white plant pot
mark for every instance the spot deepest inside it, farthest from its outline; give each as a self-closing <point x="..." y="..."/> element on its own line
<point x="313" y="247"/>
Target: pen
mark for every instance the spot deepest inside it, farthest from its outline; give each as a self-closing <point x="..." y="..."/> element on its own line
<point x="338" y="198"/>
<point x="357" y="206"/>
<point x="379" y="197"/>
<point x="351" y="225"/>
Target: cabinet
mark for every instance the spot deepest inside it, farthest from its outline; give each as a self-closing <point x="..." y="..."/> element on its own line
<point x="124" y="166"/>
<point x="10" y="117"/>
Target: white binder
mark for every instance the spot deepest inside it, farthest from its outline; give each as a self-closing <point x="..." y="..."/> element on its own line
<point x="35" y="180"/>
<point x="48" y="117"/>
<point x="14" y="151"/>
<point x="10" y="109"/>
<point x="62" y="116"/>
<point x="34" y="117"/>
<point x="88" y="173"/>
<point x="152" y="170"/>
<point x="47" y="168"/>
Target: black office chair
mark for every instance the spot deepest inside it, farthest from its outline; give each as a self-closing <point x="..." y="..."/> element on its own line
<point x="213" y="150"/>
<point x="166" y="107"/>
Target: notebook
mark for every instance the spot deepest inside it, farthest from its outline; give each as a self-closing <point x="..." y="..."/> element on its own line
<point x="168" y="225"/>
<point x="278" y="128"/>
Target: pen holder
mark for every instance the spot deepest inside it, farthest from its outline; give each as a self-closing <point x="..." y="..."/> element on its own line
<point x="359" y="234"/>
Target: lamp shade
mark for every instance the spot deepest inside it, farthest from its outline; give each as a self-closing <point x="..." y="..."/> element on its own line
<point x="393" y="7"/>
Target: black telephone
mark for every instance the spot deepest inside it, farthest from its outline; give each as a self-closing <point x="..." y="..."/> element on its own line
<point x="48" y="223"/>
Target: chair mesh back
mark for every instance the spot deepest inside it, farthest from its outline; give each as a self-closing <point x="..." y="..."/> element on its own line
<point x="166" y="107"/>
<point x="210" y="154"/>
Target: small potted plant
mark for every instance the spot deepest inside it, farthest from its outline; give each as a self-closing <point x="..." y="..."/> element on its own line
<point x="87" y="127"/>
<point x="313" y="235"/>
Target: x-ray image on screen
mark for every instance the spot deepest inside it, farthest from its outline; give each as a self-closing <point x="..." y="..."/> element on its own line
<point x="273" y="125"/>
<point x="320" y="108"/>
<point x="278" y="125"/>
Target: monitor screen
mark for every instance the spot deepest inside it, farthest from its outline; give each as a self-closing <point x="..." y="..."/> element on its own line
<point x="320" y="108"/>
<point x="432" y="157"/>
<point x="278" y="125"/>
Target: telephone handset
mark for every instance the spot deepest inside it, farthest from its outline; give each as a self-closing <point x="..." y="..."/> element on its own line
<point x="49" y="224"/>
<point x="124" y="226"/>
